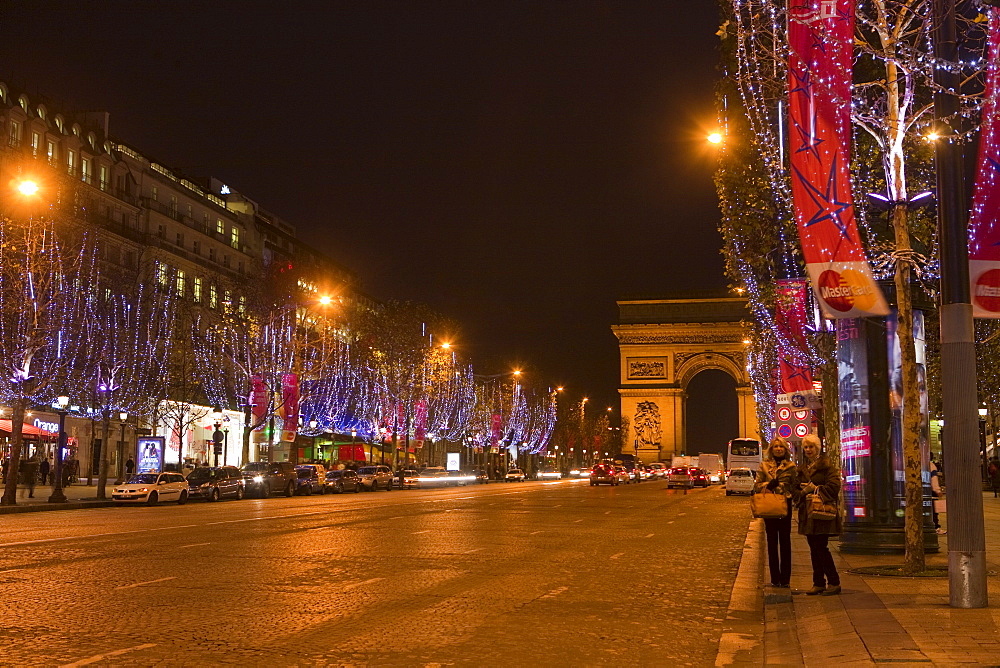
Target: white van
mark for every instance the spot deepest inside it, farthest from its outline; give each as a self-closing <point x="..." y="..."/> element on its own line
<point x="739" y="481"/>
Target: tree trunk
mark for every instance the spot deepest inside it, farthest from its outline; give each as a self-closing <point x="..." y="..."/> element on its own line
<point x="914" y="493"/>
<point x="16" y="441"/>
<point x="102" y="474"/>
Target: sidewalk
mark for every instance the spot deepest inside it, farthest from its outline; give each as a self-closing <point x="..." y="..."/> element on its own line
<point x="78" y="495"/>
<point x="875" y="619"/>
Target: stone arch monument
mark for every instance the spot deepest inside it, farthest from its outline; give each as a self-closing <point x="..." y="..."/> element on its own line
<point x="663" y="344"/>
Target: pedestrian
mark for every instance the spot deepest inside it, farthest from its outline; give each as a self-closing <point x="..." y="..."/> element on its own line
<point x="29" y="471"/>
<point x="129" y="466"/>
<point x="937" y="492"/>
<point x="777" y="474"/>
<point x="994" y="471"/>
<point x="817" y="475"/>
<point x="43" y="470"/>
<point x="4" y="467"/>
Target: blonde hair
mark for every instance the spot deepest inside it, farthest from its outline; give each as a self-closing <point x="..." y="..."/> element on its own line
<point x="812" y="439"/>
<point x="776" y="442"/>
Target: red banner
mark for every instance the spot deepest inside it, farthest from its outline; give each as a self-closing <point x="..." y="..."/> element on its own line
<point x="258" y="400"/>
<point x="289" y="406"/>
<point x="496" y="425"/>
<point x="351" y="453"/>
<point x="984" y="233"/>
<point x="790" y="321"/>
<point x="419" y="423"/>
<point x="821" y="42"/>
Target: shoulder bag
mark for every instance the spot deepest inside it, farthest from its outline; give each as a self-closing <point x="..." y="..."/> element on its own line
<point x="818" y="509"/>
<point x="768" y="504"/>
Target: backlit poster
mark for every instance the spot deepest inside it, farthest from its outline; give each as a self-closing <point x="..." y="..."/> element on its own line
<point x="150" y="452"/>
<point x="855" y="419"/>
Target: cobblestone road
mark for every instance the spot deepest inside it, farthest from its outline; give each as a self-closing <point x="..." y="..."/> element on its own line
<point x="534" y="573"/>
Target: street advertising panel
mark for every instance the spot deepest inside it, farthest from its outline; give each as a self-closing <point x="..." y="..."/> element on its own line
<point x="820" y="61"/>
<point x="454" y="461"/>
<point x="896" y="411"/>
<point x="150" y="451"/>
<point x="855" y="419"/>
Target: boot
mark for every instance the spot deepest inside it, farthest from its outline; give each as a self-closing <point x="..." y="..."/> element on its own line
<point x="832" y="591"/>
<point x="815" y="590"/>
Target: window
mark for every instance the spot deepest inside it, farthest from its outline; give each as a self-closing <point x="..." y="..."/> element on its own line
<point x="211" y="253"/>
<point x="196" y="289"/>
<point x="154" y="194"/>
<point x="180" y="239"/>
<point x="36" y="140"/>
<point x="220" y="227"/>
<point x="173" y="206"/>
<point x="51" y="152"/>
<point x="234" y="238"/>
<point x="190" y="211"/>
<point x="161" y="231"/>
<point x="243" y="304"/>
<point x="161" y="274"/>
<point x="213" y="296"/>
<point x="85" y="173"/>
<point x="196" y="247"/>
<point x="181" y="282"/>
<point x="130" y="259"/>
<point x="225" y="260"/>
<point x="104" y="183"/>
<point x="71" y="163"/>
<point x="227" y="300"/>
<point x="14" y="138"/>
<point x="241" y="267"/>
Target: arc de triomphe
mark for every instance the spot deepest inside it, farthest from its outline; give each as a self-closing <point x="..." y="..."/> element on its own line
<point x="663" y="344"/>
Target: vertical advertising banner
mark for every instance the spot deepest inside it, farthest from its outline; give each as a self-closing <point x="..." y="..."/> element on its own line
<point x="790" y="320"/>
<point x="150" y="449"/>
<point x="895" y="364"/>
<point x="821" y="43"/>
<point x="419" y="423"/>
<point x="855" y="419"/>
<point x="258" y="401"/>
<point x="289" y="406"/>
<point x="496" y="426"/>
<point x="984" y="222"/>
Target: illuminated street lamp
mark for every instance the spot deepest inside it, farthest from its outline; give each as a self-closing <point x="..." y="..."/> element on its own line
<point x="58" y="496"/>
<point x="27" y="188"/>
<point x="217" y="435"/>
<point x="122" y="417"/>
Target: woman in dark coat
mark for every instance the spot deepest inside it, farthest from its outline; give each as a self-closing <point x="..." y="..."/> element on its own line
<point x="818" y="475"/>
<point x="777" y="474"/>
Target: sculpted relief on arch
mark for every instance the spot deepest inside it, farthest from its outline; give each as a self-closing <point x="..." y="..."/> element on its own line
<point x="647" y="424"/>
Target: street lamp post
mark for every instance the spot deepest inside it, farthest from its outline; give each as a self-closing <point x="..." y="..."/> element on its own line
<point x="122" y="417"/>
<point x="58" y="496"/>
<point x="217" y="435"/>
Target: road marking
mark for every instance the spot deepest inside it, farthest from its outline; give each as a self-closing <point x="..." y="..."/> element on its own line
<point x="194" y="545"/>
<point x="555" y="592"/>
<point x="615" y="556"/>
<point x="649" y="535"/>
<point x="534" y="532"/>
<point x="361" y="584"/>
<point x="318" y="528"/>
<point x="101" y="657"/>
<point x="475" y="549"/>
<point x="607" y="512"/>
<point x="147" y="582"/>
<point x="424" y="531"/>
<point x="575" y="521"/>
<point x="397" y="517"/>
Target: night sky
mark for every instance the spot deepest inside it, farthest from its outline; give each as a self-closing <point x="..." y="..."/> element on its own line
<point x="517" y="165"/>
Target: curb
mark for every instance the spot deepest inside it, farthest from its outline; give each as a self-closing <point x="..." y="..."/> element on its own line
<point x="742" y="642"/>
<point x="69" y="505"/>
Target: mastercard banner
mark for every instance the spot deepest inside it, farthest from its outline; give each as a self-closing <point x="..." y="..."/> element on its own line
<point x="820" y="40"/>
<point x="984" y="226"/>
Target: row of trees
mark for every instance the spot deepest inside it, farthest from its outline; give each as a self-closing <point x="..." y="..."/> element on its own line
<point x="140" y="341"/>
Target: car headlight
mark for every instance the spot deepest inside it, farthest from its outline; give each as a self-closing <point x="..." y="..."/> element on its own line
<point x="205" y="485"/>
<point x="258" y="478"/>
<point x="144" y="489"/>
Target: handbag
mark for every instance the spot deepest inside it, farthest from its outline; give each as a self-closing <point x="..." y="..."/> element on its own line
<point x="768" y="504"/>
<point x="818" y="509"/>
<point x="941" y="505"/>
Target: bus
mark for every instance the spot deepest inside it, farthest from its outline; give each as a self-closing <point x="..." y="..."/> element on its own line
<point x="743" y="453"/>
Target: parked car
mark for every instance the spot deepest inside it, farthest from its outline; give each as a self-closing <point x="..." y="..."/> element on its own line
<point x="216" y="482"/>
<point x="151" y="488"/>
<point x="342" y="481"/>
<point x="603" y="473"/>
<point x="410" y="479"/>
<point x="310" y="479"/>
<point x="739" y="481"/>
<point x="514" y="475"/>
<point x="679" y="476"/>
<point x="265" y="478"/>
<point x="375" y="478"/>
